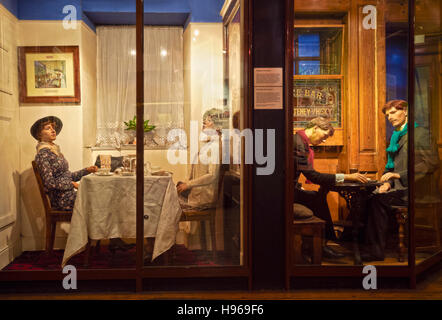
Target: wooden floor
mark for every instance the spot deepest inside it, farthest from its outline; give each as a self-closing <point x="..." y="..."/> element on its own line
<point x="428" y="288"/>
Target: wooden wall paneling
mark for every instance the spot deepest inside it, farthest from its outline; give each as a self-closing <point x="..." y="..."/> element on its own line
<point x="439" y="87"/>
<point x="381" y="68"/>
<point x="396" y="11"/>
<point x="367" y="94"/>
<point x="321" y="22"/>
<point x="342" y="163"/>
<point x="428" y="16"/>
<point x="352" y="112"/>
<point x="439" y="102"/>
<point x="322" y="5"/>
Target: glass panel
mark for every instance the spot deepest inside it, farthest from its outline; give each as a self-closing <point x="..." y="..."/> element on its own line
<point x="198" y="173"/>
<point x="428" y="133"/>
<point x="92" y="90"/>
<point x="83" y="87"/>
<point x="308" y="45"/>
<point x="308" y="67"/>
<point x="323" y="43"/>
<point x="359" y="73"/>
<point x="316" y="98"/>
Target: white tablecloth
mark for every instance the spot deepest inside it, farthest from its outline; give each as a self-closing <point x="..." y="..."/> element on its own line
<point x="105" y="208"/>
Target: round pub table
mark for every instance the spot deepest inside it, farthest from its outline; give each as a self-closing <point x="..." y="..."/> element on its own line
<point x="355" y="194"/>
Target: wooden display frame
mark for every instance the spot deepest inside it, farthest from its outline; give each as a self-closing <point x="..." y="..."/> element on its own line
<point x="60" y="85"/>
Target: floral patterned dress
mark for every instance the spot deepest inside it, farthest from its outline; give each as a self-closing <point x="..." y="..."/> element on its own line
<point x="57" y="179"/>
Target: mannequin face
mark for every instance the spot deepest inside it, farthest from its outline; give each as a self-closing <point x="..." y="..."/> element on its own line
<point x="318" y="135"/>
<point x="397" y="117"/>
<point x="48" y="133"/>
<point x="208" y="123"/>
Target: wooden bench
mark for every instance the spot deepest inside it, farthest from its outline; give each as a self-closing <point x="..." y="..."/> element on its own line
<point x="311" y="227"/>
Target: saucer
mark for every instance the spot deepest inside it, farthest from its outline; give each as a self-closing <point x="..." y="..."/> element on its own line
<point x="104" y="174"/>
<point x="162" y="173"/>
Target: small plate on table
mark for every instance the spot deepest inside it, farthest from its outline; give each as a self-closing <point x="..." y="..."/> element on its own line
<point x="104" y="174"/>
<point x="161" y="173"/>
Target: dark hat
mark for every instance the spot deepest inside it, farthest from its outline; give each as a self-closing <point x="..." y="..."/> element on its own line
<point x="36" y="127"/>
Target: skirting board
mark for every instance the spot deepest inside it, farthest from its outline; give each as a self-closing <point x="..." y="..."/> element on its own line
<point x="34" y="244"/>
<point x="9" y="253"/>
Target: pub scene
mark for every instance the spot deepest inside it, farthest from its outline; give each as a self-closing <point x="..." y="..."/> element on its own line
<point x="358" y="188"/>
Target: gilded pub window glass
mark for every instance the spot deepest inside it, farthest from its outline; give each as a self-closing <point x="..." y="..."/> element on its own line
<point x="317" y="98"/>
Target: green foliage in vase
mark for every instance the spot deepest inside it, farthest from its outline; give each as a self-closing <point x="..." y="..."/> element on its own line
<point x="132" y="125"/>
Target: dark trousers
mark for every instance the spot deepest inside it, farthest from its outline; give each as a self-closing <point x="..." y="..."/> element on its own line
<point x="379" y="214"/>
<point x="317" y="202"/>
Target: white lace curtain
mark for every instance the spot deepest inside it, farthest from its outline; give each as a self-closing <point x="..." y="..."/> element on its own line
<point x="116" y="82"/>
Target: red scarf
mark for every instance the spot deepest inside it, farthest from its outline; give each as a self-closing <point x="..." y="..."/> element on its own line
<point x="311" y="153"/>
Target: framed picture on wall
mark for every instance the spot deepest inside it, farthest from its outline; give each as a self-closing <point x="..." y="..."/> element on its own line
<point x="49" y="74"/>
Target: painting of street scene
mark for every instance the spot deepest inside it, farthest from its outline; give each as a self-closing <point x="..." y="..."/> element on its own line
<point x="50" y="74"/>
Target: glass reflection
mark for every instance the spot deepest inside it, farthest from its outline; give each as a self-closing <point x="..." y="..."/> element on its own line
<point x="208" y="229"/>
<point x="428" y="208"/>
<point x="190" y="68"/>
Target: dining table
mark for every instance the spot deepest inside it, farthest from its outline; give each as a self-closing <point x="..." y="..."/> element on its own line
<point x="105" y="208"/>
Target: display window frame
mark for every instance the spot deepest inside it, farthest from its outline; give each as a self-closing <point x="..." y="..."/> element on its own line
<point x="172" y="277"/>
<point x="307" y="274"/>
<point x="216" y="277"/>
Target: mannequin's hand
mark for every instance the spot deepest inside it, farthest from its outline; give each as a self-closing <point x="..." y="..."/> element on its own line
<point x="182" y="187"/>
<point x="75" y="184"/>
<point x="390" y="175"/>
<point x="356" y="177"/>
<point x="384" y="188"/>
<point x="92" y="169"/>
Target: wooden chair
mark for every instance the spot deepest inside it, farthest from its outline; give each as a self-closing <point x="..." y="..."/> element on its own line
<point x="52" y="216"/>
<point x="308" y="227"/>
<point x="402" y="218"/>
<point x="209" y="214"/>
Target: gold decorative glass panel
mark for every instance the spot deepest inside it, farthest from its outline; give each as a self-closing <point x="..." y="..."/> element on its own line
<point x="314" y="98"/>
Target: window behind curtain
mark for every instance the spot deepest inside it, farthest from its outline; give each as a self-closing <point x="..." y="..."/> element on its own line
<point x="116" y="82"/>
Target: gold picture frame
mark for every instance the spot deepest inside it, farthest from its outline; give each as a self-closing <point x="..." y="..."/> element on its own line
<point x="49" y="74"/>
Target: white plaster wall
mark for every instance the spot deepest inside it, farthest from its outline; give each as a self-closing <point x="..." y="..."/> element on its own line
<point x="203" y="68"/>
<point x="88" y="61"/>
<point x="203" y="76"/>
<point x="10" y="245"/>
<point x="71" y="138"/>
